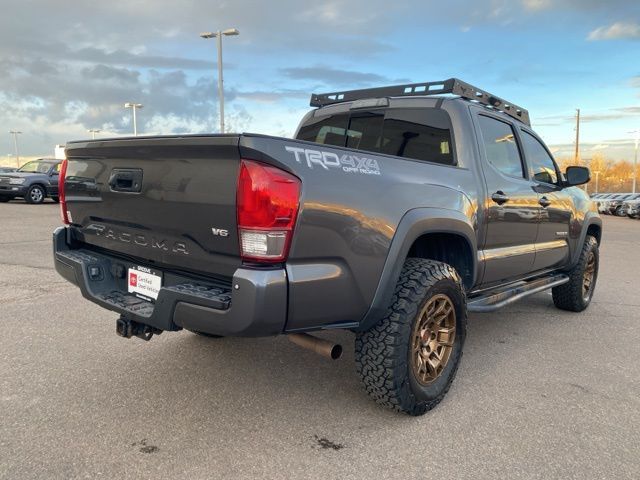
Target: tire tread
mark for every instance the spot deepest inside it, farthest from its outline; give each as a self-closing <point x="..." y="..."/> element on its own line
<point x="569" y="295"/>
<point x="382" y="351"/>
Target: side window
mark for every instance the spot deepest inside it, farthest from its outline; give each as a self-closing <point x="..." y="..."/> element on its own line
<point x="56" y="169"/>
<point x="421" y="134"/>
<point x="500" y="146"/>
<point x="329" y="130"/>
<point x="543" y="168"/>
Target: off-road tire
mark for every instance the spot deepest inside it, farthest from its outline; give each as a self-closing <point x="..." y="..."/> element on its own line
<point x="383" y="352"/>
<point x="569" y="296"/>
<point x="32" y="198"/>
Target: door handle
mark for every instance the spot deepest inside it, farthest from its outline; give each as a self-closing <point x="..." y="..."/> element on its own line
<point x="126" y="180"/>
<point x="545" y="202"/>
<point x="499" y="197"/>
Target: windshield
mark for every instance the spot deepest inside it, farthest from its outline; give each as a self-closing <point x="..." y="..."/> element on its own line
<point x="36" y="166"/>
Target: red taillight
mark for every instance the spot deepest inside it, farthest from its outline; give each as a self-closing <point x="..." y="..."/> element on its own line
<point x="267" y="207"/>
<point x="61" y="194"/>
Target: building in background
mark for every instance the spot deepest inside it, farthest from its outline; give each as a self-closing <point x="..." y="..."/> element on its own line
<point x="59" y="152"/>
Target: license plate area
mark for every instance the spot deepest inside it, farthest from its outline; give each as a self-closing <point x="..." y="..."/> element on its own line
<point x="144" y="282"/>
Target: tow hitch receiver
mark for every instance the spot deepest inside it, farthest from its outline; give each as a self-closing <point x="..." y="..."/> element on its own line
<point x="128" y="328"/>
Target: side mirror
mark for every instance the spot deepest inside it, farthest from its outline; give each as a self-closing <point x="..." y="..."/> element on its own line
<point x="577" y="176"/>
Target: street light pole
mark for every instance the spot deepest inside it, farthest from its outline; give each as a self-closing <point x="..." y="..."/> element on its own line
<point x="220" y="83"/>
<point x="15" y="134"/>
<point x="577" y="154"/>
<point x="93" y="132"/>
<point x="635" y="158"/>
<point x="218" y="35"/>
<point x="597" y="172"/>
<point x="133" y="107"/>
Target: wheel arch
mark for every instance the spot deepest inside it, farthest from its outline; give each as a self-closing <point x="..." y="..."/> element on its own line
<point x="37" y="183"/>
<point x="595" y="230"/>
<point x="429" y="233"/>
<point x="592" y="225"/>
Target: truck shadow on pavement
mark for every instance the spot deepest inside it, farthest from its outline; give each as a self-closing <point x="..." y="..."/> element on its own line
<point x="248" y="378"/>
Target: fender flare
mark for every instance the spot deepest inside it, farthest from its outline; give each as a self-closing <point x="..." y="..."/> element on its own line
<point x="414" y="224"/>
<point x="591" y="218"/>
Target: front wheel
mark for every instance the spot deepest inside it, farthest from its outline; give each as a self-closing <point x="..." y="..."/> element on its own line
<point x="408" y="360"/>
<point x="576" y="294"/>
<point x="35" y="194"/>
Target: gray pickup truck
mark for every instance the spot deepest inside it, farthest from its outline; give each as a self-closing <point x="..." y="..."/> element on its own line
<point x="393" y="213"/>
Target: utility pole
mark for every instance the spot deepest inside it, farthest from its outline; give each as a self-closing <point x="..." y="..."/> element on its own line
<point x="577" y="154"/>
<point x="218" y="35"/>
<point x="597" y="172"/>
<point x="15" y="134"/>
<point x="635" y="158"/>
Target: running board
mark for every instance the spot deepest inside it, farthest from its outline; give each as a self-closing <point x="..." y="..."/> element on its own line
<point x="494" y="300"/>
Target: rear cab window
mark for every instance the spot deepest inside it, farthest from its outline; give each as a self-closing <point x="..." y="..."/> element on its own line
<point x="418" y="133"/>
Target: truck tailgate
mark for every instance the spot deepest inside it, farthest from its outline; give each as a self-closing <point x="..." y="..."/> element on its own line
<point x="165" y="201"/>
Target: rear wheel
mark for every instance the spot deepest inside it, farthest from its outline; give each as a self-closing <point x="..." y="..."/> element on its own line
<point x="576" y="294"/>
<point x="35" y="194"/>
<point x="56" y="199"/>
<point x="409" y="359"/>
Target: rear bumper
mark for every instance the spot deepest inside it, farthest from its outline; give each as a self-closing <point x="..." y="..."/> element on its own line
<point x="254" y="304"/>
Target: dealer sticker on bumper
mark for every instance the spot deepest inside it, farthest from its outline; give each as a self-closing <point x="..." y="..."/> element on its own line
<point x="144" y="282"/>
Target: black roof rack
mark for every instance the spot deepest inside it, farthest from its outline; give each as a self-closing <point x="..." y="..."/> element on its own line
<point x="452" y="85"/>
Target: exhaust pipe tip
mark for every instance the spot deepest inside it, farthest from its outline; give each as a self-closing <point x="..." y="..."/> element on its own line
<point x="320" y="346"/>
<point x="336" y="352"/>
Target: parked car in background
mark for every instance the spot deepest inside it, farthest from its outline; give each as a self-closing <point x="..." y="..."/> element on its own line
<point x="621" y="210"/>
<point x="606" y="202"/>
<point x="34" y="181"/>
<point x="615" y="204"/>
<point x="601" y="202"/>
<point x="7" y="169"/>
<point x="619" y="204"/>
<point x="632" y="207"/>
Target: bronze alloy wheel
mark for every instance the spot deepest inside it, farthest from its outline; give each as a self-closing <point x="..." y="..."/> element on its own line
<point x="432" y="339"/>
<point x="588" y="277"/>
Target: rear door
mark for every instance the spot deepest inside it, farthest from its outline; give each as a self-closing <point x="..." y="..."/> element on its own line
<point x="511" y="203"/>
<point x="556" y="205"/>
<point x="54" y="175"/>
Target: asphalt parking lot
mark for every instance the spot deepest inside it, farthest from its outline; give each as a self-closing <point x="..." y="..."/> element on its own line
<point x="540" y="394"/>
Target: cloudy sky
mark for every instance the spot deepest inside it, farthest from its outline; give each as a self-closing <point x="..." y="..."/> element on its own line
<point x="68" y="66"/>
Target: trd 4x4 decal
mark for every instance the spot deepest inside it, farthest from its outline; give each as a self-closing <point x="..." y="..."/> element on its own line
<point x="347" y="162"/>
